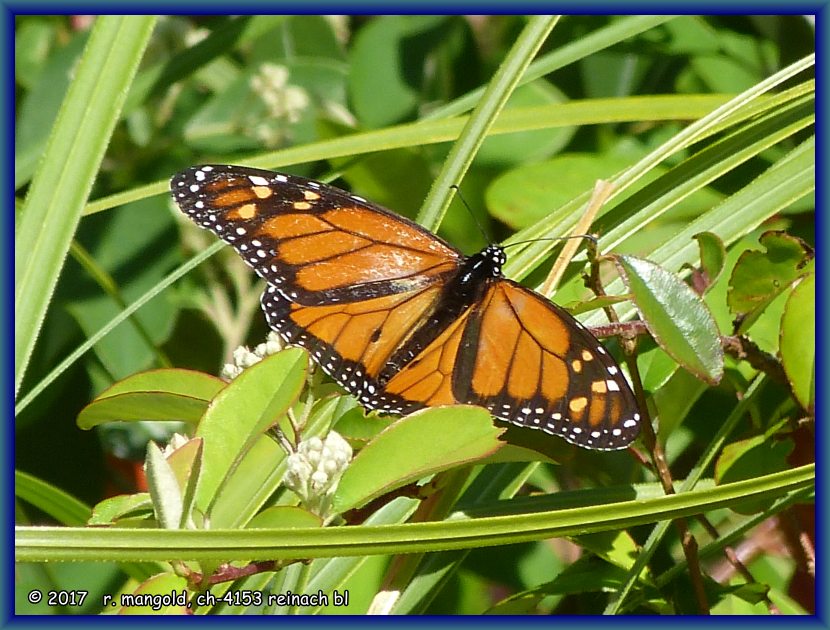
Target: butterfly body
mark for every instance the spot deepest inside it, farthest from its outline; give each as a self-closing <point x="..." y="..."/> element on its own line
<point x="403" y="320"/>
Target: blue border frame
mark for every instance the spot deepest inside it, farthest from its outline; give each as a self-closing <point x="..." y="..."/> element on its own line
<point x="10" y="9"/>
<point x="821" y="430"/>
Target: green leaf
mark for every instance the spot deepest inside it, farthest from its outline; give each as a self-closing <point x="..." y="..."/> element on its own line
<point x="418" y="445"/>
<point x="57" y="503"/>
<point x="357" y="427"/>
<point x="258" y="473"/>
<point x="759" y="277"/>
<point x="241" y="413"/>
<point x="739" y="63"/>
<point x="618" y="548"/>
<point x="380" y="82"/>
<point x="168" y="394"/>
<point x="798" y="341"/>
<point x="484" y="116"/>
<point x="527" y="146"/>
<point x="676" y="317"/>
<point x="186" y="464"/>
<point x="528" y="445"/>
<point x="68" y="167"/>
<point x="524" y="195"/>
<point x="164" y="488"/>
<point x="675" y="399"/>
<point x="712" y="256"/>
<point x="112" y="510"/>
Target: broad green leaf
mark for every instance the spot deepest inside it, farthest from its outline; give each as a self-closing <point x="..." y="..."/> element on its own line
<point x="258" y="473"/>
<point x="760" y="276"/>
<point x="656" y="367"/>
<point x="168" y="394"/>
<point x="527" y="146"/>
<point x="380" y="88"/>
<point x="114" y="509"/>
<point x="242" y="411"/>
<point x="397" y="178"/>
<point x="222" y="122"/>
<point x="524" y="195"/>
<point x="357" y="427"/>
<point x="763" y="328"/>
<point x="676" y="317"/>
<point x="295" y="37"/>
<point x="618" y="548"/>
<point x="421" y="444"/>
<point x="798" y="341"/>
<point x="527" y="445"/>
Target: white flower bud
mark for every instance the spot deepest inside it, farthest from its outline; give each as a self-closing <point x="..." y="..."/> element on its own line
<point x="315" y="469"/>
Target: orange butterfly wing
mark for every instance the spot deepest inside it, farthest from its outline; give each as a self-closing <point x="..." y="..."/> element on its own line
<point x="310" y="238"/>
<point x="400" y="318"/>
<point x="530" y="363"/>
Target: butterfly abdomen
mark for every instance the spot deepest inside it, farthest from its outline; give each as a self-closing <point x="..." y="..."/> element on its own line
<point x="462" y="291"/>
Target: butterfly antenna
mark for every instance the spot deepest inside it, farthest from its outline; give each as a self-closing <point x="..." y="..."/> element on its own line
<point x="472" y="214"/>
<point x="590" y="237"/>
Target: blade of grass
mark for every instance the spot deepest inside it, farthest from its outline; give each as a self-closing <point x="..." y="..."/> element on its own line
<point x="492" y="102"/>
<point x="120" y="318"/>
<point x="64" y="178"/>
<point x="602" y="38"/>
<point x="40" y="544"/>
<point x="573" y="113"/>
<point x="565" y="217"/>
<point x="789" y="179"/>
<point x="657" y="534"/>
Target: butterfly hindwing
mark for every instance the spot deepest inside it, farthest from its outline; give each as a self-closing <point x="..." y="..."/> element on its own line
<point x="536" y="366"/>
<point x="353" y="341"/>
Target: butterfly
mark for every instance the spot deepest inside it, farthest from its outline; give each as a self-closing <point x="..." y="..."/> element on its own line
<point x="403" y="320"/>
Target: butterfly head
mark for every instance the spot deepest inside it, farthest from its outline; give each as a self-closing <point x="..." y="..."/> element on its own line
<point x="496" y="256"/>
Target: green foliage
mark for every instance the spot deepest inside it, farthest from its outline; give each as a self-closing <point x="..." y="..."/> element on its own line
<point x="703" y="125"/>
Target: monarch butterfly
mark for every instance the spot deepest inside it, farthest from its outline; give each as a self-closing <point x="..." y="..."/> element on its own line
<point x="401" y="319"/>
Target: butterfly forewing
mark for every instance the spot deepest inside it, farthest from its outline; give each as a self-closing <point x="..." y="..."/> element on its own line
<point x="311" y="238"/>
<point x="403" y="320"/>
